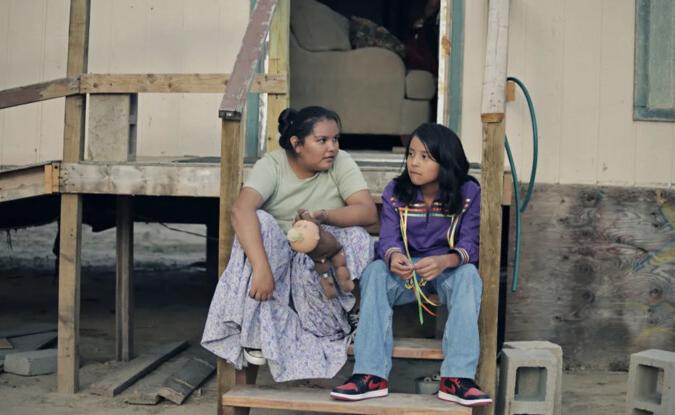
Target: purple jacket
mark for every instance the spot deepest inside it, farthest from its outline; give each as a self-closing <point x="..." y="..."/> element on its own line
<point x="429" y="230"/>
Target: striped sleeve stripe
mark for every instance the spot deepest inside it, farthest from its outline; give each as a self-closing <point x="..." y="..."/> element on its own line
<point x="389" y="252"/>
<point x="463" y="254"/>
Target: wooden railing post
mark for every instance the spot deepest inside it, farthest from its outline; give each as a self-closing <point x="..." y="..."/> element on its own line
<point x="71" y="207"/>
<point x="232" y="154"/>
<point x="492" y="172"/>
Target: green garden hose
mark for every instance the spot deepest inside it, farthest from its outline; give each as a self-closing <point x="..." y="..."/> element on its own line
<point x="520" y="209"/>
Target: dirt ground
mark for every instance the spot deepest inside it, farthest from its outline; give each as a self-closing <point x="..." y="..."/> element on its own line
<point x="172" y="298"/>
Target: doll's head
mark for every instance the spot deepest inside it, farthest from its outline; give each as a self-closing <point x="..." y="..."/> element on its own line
<point x="303" y="236"/>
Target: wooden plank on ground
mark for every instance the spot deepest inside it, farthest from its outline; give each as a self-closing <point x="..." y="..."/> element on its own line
<point x="122" y="378"/>
<point x="146" y="390"/>
<point x="5" y="343"/>
<point x="27" y="329"/>
<point x="318" y="400"/>
<point x="176" y="83"/>
<point x="184" y="381"/>
<point x="42" y="91"/>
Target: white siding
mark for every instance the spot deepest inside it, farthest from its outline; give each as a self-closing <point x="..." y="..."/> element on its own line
<point x="576" y="57"/>
<point x="126" y="36"/>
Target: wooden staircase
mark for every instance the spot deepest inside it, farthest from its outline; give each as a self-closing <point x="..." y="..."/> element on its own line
<point x="241" y="397"/>
<point x="236" y="390"/>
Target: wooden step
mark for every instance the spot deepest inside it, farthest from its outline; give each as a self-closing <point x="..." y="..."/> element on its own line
<point x="412" y="348"/>
<point x="318" y="400"/>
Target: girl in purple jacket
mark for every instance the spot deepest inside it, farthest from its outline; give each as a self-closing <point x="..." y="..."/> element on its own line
<point x="429" y="230"/>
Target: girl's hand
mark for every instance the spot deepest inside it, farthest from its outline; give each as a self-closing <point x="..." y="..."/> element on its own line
<point x="431" y="267"/>
<point x="262" y="285"/>
<point x="401" y="266"/>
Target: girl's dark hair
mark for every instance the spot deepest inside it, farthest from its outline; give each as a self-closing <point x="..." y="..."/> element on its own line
<point x="301" y="123"/>
<point x="446" y="149"/>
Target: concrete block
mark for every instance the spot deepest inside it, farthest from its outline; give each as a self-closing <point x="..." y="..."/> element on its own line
<point x="557" y="352"/>
<point x="528" y="381"/>
<point x="651" y="383"/>
<point x="33" y="363"/>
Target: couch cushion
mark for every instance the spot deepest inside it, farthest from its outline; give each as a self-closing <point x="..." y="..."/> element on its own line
<point x="317" y="27"/>
<point x="420" y="85"/>
<point x="364" y="33"/>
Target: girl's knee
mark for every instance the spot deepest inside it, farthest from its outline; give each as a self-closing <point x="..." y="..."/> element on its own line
<point x="465" y="275"/>
<point x="376" y="271"/>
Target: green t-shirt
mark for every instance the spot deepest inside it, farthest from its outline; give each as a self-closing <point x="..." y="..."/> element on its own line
<point x="284" y="193"/>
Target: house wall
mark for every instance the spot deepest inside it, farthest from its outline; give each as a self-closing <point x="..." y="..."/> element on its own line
<point x="576" y="58"/>
<point x="597" y="273"/>
<point x="126" y="36"/>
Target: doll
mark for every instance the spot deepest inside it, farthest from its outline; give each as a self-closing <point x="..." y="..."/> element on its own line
<point x="308" y="237"/>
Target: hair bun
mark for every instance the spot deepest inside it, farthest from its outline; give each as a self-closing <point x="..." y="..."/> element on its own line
<point x="286" y="120"/>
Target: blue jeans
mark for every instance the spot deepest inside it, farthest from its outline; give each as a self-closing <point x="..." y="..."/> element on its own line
<point x="459" y="288"/>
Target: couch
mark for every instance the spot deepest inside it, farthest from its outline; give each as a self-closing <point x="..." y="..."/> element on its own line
<point x="369" y="87"/>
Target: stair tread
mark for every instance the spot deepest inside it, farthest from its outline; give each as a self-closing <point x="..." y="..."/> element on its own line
<point x="414" y="348"/>
<point x="318" y="400"/>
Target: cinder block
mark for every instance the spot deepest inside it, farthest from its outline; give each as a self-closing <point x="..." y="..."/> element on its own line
<point x="527" y="382"/>
<point x="557" y="352"/>
<point x="33" y="363"/>
<point x="651" y="383"/>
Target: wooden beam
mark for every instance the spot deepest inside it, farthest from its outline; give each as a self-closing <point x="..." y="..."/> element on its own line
<point x="124" y="292"/>
<point x="175" y="179"/>
<point x="183" y="179"/>
<point x="494" y="78"/>
<point x="490" y="250"/>
<point x="492" y="187"/>
<point x="231" y="172"/>
<point x="279" y="64"/>
<point x="42" y="91"/>
<point x="71" y="207"/>
<point x="234" y="100"/>
<point x="22" y="183"/>
<point x="178" y="83"/>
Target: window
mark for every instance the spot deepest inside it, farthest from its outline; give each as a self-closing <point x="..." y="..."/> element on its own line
<point x="654" y="89"/>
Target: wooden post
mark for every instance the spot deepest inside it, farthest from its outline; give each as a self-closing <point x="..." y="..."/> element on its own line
<point x="231" y="170"/>
<point x="71" y="207"/>
<point x="124" y="293"/>
<point x="492" y="172"/>
<point x="279" y="60"/>
<point x="231" y="112"/>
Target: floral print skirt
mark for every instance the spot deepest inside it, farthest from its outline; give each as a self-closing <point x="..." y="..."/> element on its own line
<point x="301" y="333"/>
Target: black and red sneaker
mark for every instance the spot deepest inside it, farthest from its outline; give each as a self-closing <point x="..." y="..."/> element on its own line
<point x="360" y="387"/>
<point x="463" y="391"/>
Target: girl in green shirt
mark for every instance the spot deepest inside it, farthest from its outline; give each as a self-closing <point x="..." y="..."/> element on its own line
<point x="269" y="305"/>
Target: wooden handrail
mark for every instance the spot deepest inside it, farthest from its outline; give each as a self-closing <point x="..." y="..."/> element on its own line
<point x="245" y="67"/>
<point x="42" y="91"/>
<point x="91" y="83"/>
<point x="174" y="83"/>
